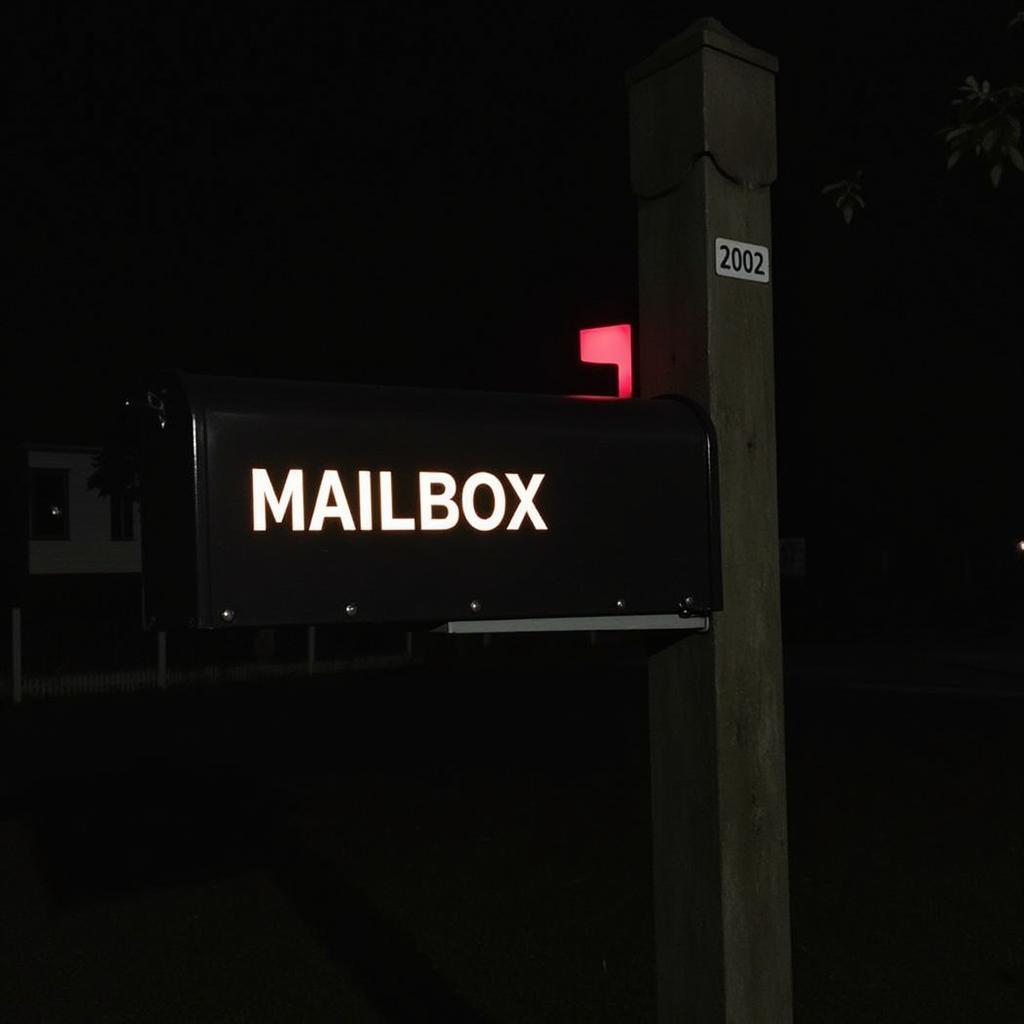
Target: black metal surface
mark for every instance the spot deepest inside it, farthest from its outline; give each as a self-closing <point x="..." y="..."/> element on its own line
<point x="627" y="497"/>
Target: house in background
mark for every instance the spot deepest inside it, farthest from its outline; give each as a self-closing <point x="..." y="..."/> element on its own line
<point x="72" y="567"/>
<point x="72" y="529"/>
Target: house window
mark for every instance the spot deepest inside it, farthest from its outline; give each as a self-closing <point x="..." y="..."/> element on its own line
<point x="122" y="520"/>
<point x="48" y="504"/>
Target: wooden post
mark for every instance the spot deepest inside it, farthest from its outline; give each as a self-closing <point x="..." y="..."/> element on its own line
<point x="16" y="655"/>
<point x="702" y="120"/>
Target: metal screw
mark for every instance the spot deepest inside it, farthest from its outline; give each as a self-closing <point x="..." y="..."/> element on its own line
<point x="474" y="606"/>
<point x="620" y="604"/>
<point x="228" y="615"/>
<point x="689" y="604"/>
<point x="351" y="609"/>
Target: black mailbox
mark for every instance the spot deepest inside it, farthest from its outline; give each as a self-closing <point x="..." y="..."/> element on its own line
<point x="270" y="502"/>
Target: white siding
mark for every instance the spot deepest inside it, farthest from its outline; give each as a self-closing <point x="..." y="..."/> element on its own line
<point x="88" y="548"/>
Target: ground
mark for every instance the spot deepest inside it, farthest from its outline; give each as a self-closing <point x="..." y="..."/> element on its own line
<point x="474" y="845"/>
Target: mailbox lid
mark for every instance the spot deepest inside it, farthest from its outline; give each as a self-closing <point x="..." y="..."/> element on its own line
<point x="619" y="498"/>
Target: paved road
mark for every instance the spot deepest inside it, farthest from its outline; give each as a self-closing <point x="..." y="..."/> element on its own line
<point x="928" y="668"/>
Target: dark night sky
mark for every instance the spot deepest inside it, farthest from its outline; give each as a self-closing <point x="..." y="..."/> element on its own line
<point x="379" y="192"/>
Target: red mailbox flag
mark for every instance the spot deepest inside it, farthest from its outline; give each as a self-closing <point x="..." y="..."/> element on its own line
<point x="611" y="345"/>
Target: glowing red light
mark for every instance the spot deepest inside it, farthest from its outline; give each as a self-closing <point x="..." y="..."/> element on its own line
<point x="611" y="346"/>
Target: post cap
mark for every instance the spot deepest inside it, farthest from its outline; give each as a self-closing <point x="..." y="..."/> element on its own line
<point x="708" y="32"/>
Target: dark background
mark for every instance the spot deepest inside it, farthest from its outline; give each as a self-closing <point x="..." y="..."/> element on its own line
<point x="372" y="192"/>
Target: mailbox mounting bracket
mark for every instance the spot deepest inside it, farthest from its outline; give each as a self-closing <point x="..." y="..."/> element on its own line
<point x="577" y="624"/>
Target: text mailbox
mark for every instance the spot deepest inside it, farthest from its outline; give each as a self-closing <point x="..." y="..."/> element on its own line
<point x="284" y="502"/>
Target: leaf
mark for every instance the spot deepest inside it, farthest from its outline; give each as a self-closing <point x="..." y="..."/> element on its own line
<point x="847" y="213"/>
<point x="957" y="132"/>
<point x="989" y="140"/>
<point x="1017" y="19"/>
<point x="954" y="158"/>
<point x="1016" y="157"/>
<point x="972" y="83"/>
<point x="996" y="174"/>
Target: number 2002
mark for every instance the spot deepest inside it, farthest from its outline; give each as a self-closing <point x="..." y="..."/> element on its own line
<point x="740" y="261"/>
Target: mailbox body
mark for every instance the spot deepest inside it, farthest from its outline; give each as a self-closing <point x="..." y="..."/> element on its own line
<point x="620" y="505"/>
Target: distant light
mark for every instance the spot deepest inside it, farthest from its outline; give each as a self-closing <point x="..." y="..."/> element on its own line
<point x="1020" y="547"/>
<point x="611" y="346"/>
<point x="56" y="511"/>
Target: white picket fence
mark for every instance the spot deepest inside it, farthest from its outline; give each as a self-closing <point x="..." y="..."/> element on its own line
<point x="16" y="684"/>
<point x="130" y="680"/>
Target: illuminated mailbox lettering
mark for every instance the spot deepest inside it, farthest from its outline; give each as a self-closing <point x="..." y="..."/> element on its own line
<point x="288" y="502"/>
<point x="332" y="502"/>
